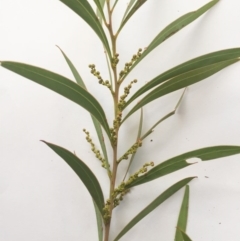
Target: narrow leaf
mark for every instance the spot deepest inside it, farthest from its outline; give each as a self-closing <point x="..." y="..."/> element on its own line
<point x="185" y="236"/>
<point x="99" y="222"/>
<point x="159" y="200"/>
<point x="136" y="6"/>
<point x="102" y="3"/>
<point x="85" y="11"/>
<point x="130" y="4"/>
<point x="114" y="5"/>
<point x="193" y="64"/>
<point x="62" y="86"/>
<point x="179" y="162"/>
<point x="183" y="216"/>
<point x="165" y="117"/>
<point x="181" y="81"/>
<point x="173" y="28"/>
<point x="75" y="73"/>
<point x="83" y="172"/>
<point x="100" y="13"/>
<point x="96" y="124"/>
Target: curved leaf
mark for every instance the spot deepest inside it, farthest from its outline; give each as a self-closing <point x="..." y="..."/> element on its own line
<point x="62" y="86"/>
<point x="164" y="118"/>
<point x="185" y="236"/>
<point x="180" y="82"/>
<point x="160" y="199"/>
<point x="99" y="222"/>
<point x="179" y="162"/>
<point x="183" y="216"/>
<point x="83" y="172"/>
<point x="98" y="12"/>
<point x="129" y="6"/>
<point x="173" y="28"/>
<point x="95" y="121"/>
<point x="100" y="4"/>
<point x="85" y="11"/>
<point x="136" y="6"/>
<point x="196" y="63"/>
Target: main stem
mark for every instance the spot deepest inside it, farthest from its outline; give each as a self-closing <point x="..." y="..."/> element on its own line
<point x="115" y="145"/>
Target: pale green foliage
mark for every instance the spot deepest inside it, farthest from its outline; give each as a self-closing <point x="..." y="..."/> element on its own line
<point x="179" y="77"/>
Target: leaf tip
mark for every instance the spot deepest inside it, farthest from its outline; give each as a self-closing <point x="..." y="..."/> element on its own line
<point x="44" y="141"/>
<point x="57" y="46"/>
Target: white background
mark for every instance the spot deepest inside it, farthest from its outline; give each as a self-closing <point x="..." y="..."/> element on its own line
<point x="41" y="198"/>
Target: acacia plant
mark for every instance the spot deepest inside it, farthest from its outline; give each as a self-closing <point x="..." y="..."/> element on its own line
<point x="177" y="78"/>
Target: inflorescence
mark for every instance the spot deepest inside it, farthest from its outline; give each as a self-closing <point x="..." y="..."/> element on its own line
<point x="99" y="77"/>
<point x="131" y="150"/>
<point x="115" y="60"/>
<point x="119" y="192"/>
<point x="128" y="65"/>
<point x="116" y="124"/>
<point x="122" y="101"/>
<point x="140" y="172"/>
<point x="95" y="151"/>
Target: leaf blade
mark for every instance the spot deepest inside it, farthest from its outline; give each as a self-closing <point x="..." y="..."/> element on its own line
<point x="129" y="14"/>
<point x="183" y="216"/>
<point x="62" y="86"/>
<point x="181" y="81"/>
<point x="185" y="236"/>
<point x="160" y="199"/>
<point x="83" y="9"/>
<point x="173" y="28"/>
<point x="178" y="162"/>
<point x="130" y="4"/>
<point x="100" y="4"/>
<point x="199" y="62"/>
<point x="83" y="172"/>
<point x="96" y="124"/>
<point x="99" y="222"/>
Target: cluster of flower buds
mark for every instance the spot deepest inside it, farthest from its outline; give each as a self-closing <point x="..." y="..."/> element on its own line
<point x="95" y="151"/>
<point x="140" y="172"/>
<point x="115" y="60"/>
<point x="116" y="124"/>
<point x="106" y="212"/>
<point x="128" y="65"/>
<point x="122" y="101"/>
<point x="131" y="150"/>
<point x="99" y="77"/>
<point x="119" y="193"/>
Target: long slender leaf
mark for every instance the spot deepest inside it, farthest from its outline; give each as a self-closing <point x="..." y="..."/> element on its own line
<point x="183" y="216"/>
<point x="136" y="6"/>
<point x="96" y="124"/>
<point x="100" y="4"/>
<point x="114" y="5"/>
<point x="185" y="236"/>
<point x="129" y="6"/>
<point x="85" y="11"/>
<point x="83" y="172"/>
<point x="99" y="222"/>
<point x="179" y="162"/>
<point x="181" y="81"/>
<point x="159" y="200"/>
<point x="173" y="28"/>
<point x="164" y="118"/>
<point x="193" y="64"/>
<point x="62" y="86"/>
